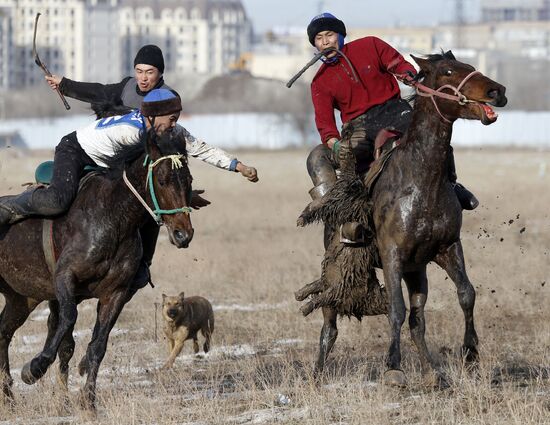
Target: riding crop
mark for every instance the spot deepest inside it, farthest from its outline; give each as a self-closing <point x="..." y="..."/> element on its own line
<point x="42" y="65"/>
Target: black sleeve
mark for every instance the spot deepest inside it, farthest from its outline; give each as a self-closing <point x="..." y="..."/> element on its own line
<point x="92" y="92"/>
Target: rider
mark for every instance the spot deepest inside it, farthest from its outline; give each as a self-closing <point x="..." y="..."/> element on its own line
<point x="160" y="109"/>
<point x="367" y="96"/>
<point x="148" y="70"/>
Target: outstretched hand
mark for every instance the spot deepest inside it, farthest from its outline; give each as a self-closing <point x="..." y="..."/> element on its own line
<point x="249" y="172"/>
<point x="197" y="201"/>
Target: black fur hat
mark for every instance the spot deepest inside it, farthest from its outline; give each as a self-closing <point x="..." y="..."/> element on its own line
<point x="324" y="22"/>
<point x="160" y="102"/>
<point x="150" y="55"/>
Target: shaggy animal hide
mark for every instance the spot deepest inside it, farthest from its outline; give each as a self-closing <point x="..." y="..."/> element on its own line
<point x="348" y="282"/>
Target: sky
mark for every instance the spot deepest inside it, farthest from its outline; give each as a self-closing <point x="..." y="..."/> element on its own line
<point x="266" y="14"/>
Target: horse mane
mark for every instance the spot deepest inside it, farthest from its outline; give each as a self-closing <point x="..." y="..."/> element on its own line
<point x="435" y="57"/>
<point x="125" y="154"/>
<point x="110" y="108"/>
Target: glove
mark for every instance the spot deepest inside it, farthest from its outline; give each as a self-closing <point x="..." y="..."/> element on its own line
<point x="409" y="78"/>
<point x="336" y="148"/>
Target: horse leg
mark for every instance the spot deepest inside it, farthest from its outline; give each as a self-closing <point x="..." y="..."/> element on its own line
<point x="37" y="367"/>
<point x="393" y="273"/>
<point x="66" y="348"/>
<point x="108" y="311"/>
<point x="452" y="261"/>
<point x="15" y="313"/>
<point x="83" y="364"/>
<point x="329" y="333"/>
<point x="417" y="286"/>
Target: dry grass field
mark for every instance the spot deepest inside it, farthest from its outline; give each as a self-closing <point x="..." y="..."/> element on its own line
<point x="248" y="258"/>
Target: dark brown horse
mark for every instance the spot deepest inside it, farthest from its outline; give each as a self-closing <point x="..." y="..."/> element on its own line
<point x="98" y="252"/>
<point x="415" y="213"/>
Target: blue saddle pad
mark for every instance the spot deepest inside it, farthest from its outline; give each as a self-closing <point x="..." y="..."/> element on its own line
<point x="44" y="172"/>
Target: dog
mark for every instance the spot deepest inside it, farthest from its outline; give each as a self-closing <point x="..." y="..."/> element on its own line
<point x="183" y="318"/>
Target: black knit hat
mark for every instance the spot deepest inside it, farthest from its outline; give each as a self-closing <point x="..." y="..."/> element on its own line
<point x="159" y="102"/>
<point x="150" y="55"/>
<point x="324" y="22"/>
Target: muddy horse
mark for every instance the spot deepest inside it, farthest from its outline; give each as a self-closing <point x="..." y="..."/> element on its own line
<point x="97" y="250"/>
<point x="414" y="214"/>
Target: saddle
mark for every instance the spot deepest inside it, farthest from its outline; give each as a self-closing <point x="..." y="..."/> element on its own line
<point x="43" y="177"/>
<point x="44" y="173"/>
<point x="382" y="153"/>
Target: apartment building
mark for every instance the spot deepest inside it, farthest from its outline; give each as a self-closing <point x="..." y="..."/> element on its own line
<point x="198" y="36"/>
<point x="96" y="40"/>
<point x="515" y="10"/>
<point x="6" y="45"/>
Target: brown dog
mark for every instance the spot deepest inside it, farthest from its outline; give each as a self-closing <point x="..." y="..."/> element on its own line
<point x="183" y="318"/>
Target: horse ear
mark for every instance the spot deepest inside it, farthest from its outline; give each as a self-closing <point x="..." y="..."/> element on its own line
<point x="424" y="64"/>
<point x="182" y="295"/>
<point x="449" y="55"/>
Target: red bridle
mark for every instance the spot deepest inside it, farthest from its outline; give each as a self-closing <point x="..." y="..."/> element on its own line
<point x="425" y="91"/>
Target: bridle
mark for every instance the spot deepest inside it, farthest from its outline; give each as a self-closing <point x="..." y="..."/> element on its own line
<point x="157" y="212"/>
<point x="459" y="97"/>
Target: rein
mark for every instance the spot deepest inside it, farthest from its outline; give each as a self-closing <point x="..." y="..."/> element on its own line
<point x="158" y="212"/>
<point x="425" y="91"/>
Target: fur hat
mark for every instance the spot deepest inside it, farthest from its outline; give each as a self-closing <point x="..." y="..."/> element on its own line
<point x="150" y="55"/>
<point x="325" y="22"/>
<point x="160" y="102"/>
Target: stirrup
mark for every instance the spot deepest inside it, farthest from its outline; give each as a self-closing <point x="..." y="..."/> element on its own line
<point x="352" y="233"/>
<point x="320" y="190"/>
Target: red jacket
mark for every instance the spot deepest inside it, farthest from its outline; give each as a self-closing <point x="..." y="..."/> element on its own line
<point x="334" y="87"/>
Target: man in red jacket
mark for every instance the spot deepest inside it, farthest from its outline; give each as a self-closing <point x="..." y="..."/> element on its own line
<point x="367" y="96"/>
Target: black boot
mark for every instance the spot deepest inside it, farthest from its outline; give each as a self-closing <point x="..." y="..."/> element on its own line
<point x="16" y="207"/>
<point x="143" y="276"/>
<point x="149" y="234"/>
<point x="467" y="199"/>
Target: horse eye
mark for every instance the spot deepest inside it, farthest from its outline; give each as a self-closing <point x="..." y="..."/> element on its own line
<point x="448" y="72"/>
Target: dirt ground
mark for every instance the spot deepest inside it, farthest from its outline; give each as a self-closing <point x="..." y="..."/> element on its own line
<point x="248" y="257"/>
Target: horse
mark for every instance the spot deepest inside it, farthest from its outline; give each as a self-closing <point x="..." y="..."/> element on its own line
<point x="412" y="213"/>
<point x="98" y="249"/>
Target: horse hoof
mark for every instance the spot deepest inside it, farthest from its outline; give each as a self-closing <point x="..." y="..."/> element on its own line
<point x="470" y="355"/>
<point x="7" y="398"/>
<point x="26" y="375"/>
<point x="87" y="401"/>
<point x="63" y="380"/>
<point x="83" y="366"/>
<point x="434" y="380"/>
<point x="395" y="378"/>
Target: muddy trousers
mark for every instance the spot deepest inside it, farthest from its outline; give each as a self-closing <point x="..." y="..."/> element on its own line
<point x="395" y="114"/>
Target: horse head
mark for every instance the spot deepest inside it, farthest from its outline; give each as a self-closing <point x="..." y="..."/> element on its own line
<point x="169" y="185"/>
<point x="458" y="90"/>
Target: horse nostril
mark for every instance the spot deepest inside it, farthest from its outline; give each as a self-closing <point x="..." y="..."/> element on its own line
<point x="493" y="94"/>
<point x="183" y="237"/>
